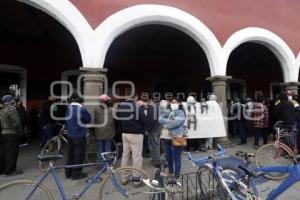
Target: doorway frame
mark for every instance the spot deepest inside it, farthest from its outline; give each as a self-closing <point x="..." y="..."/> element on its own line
<point x="22" y="72"/>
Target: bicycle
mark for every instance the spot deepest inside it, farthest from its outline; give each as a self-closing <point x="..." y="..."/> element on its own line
<point x="211" y="182"/>
<point x="276" y="153"/>
<point x="35" y="190"/>
<point x="53" y="146"/>
<point x="251" y="174"/>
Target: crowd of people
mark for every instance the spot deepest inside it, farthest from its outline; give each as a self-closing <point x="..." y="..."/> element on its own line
<point x="144" y="128"/>
<point x="257" y="118"/>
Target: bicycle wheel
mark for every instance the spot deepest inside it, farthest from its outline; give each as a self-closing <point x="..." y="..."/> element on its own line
<point x="18" y="190"/>
<point x="211" y="187"/>
<point x="230" y="173"/>
<point x="269" y="155"/>
<point x="53" y="146"/>
<point x="109" y="191"/>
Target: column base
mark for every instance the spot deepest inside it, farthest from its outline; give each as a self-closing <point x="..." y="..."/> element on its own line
<point x="223" y="141"/>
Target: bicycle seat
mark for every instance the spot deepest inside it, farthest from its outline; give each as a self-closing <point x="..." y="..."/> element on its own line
<point x="251" y="172"/>
<point x="50" y="157"/>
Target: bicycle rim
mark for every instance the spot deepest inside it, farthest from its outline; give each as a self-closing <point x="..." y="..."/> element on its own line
<point x="269" y="155"/>
<point x="18" y="190"/>
<point x="108" y="190"/>
<point x="53" y="146"/>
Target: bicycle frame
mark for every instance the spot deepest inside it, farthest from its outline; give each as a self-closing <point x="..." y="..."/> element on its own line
<point x="294" y="176"/>
<point x="215" y="168"/>
<point x="52" y="170"/>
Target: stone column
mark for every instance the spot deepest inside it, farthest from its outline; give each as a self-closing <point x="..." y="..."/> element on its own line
<point x="94" y="81"/>
<point x="292" y="86"/>
<point x="219" y="89"/>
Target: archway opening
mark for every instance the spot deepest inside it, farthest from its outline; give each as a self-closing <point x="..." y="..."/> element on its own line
<point x="160" y="61"/>
<point x="40" y="45"/>
<point x="256" y="71"/>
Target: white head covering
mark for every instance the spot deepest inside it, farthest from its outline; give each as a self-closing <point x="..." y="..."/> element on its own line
<point x="191" y="100"/>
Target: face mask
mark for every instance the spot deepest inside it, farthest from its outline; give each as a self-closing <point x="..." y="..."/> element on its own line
<point x="290" y="98"/>
<point x="174" y="106"/>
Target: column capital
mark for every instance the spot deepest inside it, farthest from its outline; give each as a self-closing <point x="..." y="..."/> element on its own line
<point x="92" y="70"/>
<point x="286" y="84"/>
<point x="218" y="78"/>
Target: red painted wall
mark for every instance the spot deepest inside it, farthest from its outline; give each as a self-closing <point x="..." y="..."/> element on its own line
<point x="222" y="17"/>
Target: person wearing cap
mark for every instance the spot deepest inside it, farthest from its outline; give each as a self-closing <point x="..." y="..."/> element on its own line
<point x="11" y="131"/>
<point x="104" y="126"/>
<point x="77" y="117"/>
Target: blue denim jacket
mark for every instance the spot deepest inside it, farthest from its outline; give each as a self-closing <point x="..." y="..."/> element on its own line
<point x="174" y="121"/>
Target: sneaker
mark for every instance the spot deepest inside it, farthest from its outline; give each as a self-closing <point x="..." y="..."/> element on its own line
<point x="137" y="184"/>
<point x="256" y="147"/>
<point x="166" y="174"/>
<point x="14" y="173"/>
<point x="80" y="176"/>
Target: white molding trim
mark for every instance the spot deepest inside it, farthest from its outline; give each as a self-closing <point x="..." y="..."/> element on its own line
<point x="135" y="16"/>
<point x="71" y="18"/>
<point x="265" y="37"/>
<point x="23" y="79"/>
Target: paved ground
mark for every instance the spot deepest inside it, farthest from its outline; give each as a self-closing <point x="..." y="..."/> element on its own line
<point x="28" y="163"/>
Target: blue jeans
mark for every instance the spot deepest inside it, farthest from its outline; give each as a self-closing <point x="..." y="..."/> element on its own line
<point x="102" y="146"/>
<point x="47" y="132"/>
<point x="173" y="157"/>
<point x="154" y="145"/>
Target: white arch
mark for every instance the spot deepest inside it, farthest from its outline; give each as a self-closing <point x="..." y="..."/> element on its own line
<point x="69" y="16"/>
<point x="134" y="16"/>
<point x="298" y="65"/>
<point x="262" y="36"/>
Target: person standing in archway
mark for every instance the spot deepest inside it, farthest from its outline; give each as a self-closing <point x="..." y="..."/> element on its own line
<point x="11" y="130"/>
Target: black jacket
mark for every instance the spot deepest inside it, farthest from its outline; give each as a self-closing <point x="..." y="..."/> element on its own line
<point x="45" y="116"/>
<point x="152" y="123"/>
<point x="132" y="117"/>
<point x="285" y="112"/>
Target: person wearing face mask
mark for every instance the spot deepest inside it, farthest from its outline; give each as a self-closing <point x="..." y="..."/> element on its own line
<point x="174" y="123"/>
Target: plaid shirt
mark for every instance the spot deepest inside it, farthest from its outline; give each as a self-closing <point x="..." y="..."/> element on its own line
<point x="260" y="116"/>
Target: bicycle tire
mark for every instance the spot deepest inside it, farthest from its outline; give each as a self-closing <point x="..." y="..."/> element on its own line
<point x="227" y="172"/>
<point x="109" y="191"/>
<point x="264" y="158"/>
<point x="53" y="146"/>
<point x="10" y="192"/>
<point x="211" y="188"/>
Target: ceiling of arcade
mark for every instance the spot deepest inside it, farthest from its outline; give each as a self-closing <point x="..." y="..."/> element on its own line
<point x="32" y="39"/>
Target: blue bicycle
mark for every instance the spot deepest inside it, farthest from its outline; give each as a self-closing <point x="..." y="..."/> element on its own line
<point x="213" y="181"/>
<point x="251" y="174"/>
<point x="35" y="190"/>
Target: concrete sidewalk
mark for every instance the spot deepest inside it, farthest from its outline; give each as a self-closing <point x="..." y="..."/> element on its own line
<point x="28" y="163"/>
